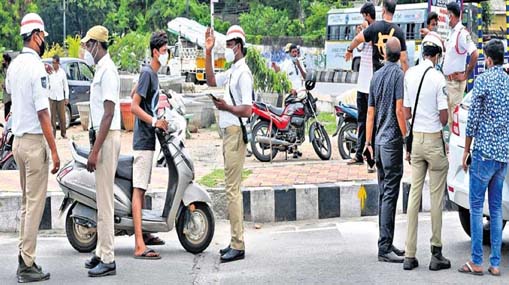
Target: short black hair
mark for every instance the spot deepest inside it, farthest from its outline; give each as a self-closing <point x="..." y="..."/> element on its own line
<point x="390" y="6"/>
<point x="28" y="36"/>
<point x="431" y="50"/>
<point x="56" y="58"/>
<point x="104" y="45"/>
<point x="494" y="49"/>
<point x="369" y="9"/>
<point x="7" y="58"/>
<point x="292" y="47"/>
<point x="454" y="8"/>
<point x="158" y="40"/>
<point x="432" y="16"/>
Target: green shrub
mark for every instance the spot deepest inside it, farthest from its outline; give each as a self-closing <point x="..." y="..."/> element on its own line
<point x="265" y="78"/>
<point x="73" y="46"/>
<point x="130" y="50"/>
<point x="55" y="49"/>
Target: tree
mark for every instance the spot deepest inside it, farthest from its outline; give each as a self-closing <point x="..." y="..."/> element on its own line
<point x="265" y="21"/>
<point x="11" y="13"/>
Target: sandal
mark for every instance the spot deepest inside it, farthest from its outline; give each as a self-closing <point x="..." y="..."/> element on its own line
<point x="494" y="271"/>
<point x="148" y="254"/>
<point x="152" y="240"/>
<point x="467" y="268"/>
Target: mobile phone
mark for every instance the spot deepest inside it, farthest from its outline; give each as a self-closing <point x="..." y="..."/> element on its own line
<point x="212" y="97"/>
<point x="369" y="159"/>
<point x="469" y="159"/>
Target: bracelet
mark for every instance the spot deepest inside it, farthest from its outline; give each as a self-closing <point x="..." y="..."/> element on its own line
<point x="368" y="144"/>
<point x="348" y="49"/>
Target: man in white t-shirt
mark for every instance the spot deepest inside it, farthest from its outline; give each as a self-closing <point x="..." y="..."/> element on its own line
<point x="365" y="73"/>
<point x="428" y="149"/>
<point x="293" y="69"/>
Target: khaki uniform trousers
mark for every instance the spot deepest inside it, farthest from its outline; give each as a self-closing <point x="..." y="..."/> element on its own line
<point x="455" y="90"/>
<point x="31" y="155"/>
<point x="234" y="153"/>
<point x="104" y="179"/>
<point x="428" y="155"/>
<point x="57" y="109"/>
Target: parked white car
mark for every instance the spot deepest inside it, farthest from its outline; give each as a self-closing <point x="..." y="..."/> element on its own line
<point x="458" y="180"/>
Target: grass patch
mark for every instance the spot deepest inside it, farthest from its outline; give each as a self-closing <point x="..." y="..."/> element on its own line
<point x="216" y="177"/>
<point x="329" y="122"/>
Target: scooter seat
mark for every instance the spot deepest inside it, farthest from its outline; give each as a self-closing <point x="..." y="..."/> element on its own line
<point x="125" y="167"/>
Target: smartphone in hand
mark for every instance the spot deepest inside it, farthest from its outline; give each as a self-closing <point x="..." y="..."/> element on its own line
<point x="213" y="97"/>
<point x="369" y="159"/>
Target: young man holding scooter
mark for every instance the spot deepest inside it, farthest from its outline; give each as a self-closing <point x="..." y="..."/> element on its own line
<point x="144" y="107"/>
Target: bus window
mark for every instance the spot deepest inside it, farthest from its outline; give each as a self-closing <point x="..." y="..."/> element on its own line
<point x="333" y="33"/>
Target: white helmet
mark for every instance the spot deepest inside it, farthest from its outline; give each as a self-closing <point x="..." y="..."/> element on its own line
<point x="31" y="22"/>
<point x="235" y="32"/>
<point x="435" y="39"/>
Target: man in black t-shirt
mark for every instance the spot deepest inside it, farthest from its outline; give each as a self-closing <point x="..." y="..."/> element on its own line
<point x="378" y="33"/>
<point x="144" y="107"/>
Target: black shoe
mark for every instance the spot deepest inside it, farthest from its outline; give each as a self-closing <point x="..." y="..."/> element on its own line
<point x="390" y="257"/>
<point x="397" y="251"/>
<point x="410" y="263"/>
<point x="224" y="250"/>
<point x="92" y="262"/>
<point x="295" y="155"/>
<point x="232" y="255"/>
<point x="27" y="274"/>
<point x="103" y="269"/>
<point x="438" y="261"/>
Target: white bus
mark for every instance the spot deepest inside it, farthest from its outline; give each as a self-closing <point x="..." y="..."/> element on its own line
<point x="341" y="29"/>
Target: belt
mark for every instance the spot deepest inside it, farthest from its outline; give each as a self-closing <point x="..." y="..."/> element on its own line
<point x="435" y="135"/>
<point x="450" y="76"/>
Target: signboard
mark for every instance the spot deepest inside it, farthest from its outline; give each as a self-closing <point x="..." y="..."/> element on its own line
<point x="440" y="7"/>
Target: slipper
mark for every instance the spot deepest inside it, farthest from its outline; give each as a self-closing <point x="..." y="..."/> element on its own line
<point x="467" y="268"/>
<point x="354" y="161"/>
<point x="145" y="254"/>
<point x="494" y="271"/>
<point x="152" y="240"/>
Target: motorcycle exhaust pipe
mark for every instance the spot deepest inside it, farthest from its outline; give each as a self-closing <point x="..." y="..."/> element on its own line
<point x="276" y="142"/>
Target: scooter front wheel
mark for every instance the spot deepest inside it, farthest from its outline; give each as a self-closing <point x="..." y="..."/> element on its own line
<point x="195" y="229"/>
<point x="83" y="239"/>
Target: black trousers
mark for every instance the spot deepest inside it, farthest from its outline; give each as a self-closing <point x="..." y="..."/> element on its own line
<point x="362" y="110"/>
<point x="7" y="108"/>
<point x="389" y="163"/>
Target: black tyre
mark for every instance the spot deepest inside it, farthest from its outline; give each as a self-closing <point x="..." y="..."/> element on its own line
<point x="347" y="140"/>
<point x="83" y="239"/>
<point x="68" y="117"/>
<point x="464" y="215"/>
<point x="196" y="230"/>
<point x="10" y="164"/>
<point x="262" y="151"/>
<point x="320" y="141"/>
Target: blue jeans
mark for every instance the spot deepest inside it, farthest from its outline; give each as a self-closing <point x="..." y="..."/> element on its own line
<point x="486" y="173"/>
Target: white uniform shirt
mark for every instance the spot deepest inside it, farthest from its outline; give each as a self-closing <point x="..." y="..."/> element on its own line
<point x="432" y="99"/>
<point x="27" y="82"/>
<point x="241" y="86"/>
<point x="105" y="87"/>
<point x="293" y="73"/>
<point x="58" y="87"/>
<point x="454" y="61"/>
<point x="365" y="68"/>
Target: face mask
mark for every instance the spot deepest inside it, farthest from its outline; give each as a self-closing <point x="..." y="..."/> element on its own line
<point x="42" y="46"/>
<point x="294" y="59"/>
<point x="163" y="58"/>
<point x="89" y="59"/>
<point x="229" y="55"/>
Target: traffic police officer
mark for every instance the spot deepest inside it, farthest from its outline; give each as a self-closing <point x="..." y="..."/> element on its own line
<point x="27" y="82"/>
<point x="458" y="45"/>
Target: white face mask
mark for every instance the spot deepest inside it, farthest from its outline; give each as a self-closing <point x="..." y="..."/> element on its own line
<point x="89" y="59"/>
<point x="229" y="55"/>
<point x="163" y="58"/>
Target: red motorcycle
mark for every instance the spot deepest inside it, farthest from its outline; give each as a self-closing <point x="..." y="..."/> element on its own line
<point x="283" y="129"/>
<point x="7" y="161"/>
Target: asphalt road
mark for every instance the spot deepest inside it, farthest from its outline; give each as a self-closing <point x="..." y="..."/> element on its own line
<point x="335" y="251"/>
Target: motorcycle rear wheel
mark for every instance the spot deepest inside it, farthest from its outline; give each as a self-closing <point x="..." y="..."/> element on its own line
<point x="10" y="164"/>
<point x="320" y="141"/>
<point x="262" y="151"/>
<point x="345" y="145"/>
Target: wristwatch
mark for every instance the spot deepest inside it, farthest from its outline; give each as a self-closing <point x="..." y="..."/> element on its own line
<point x="348" y="49"/>
<point x="154" y="120"/>
<point x="368" y="144"/>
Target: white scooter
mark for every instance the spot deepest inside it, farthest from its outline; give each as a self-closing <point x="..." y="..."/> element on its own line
<point x="187" y="205"/>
